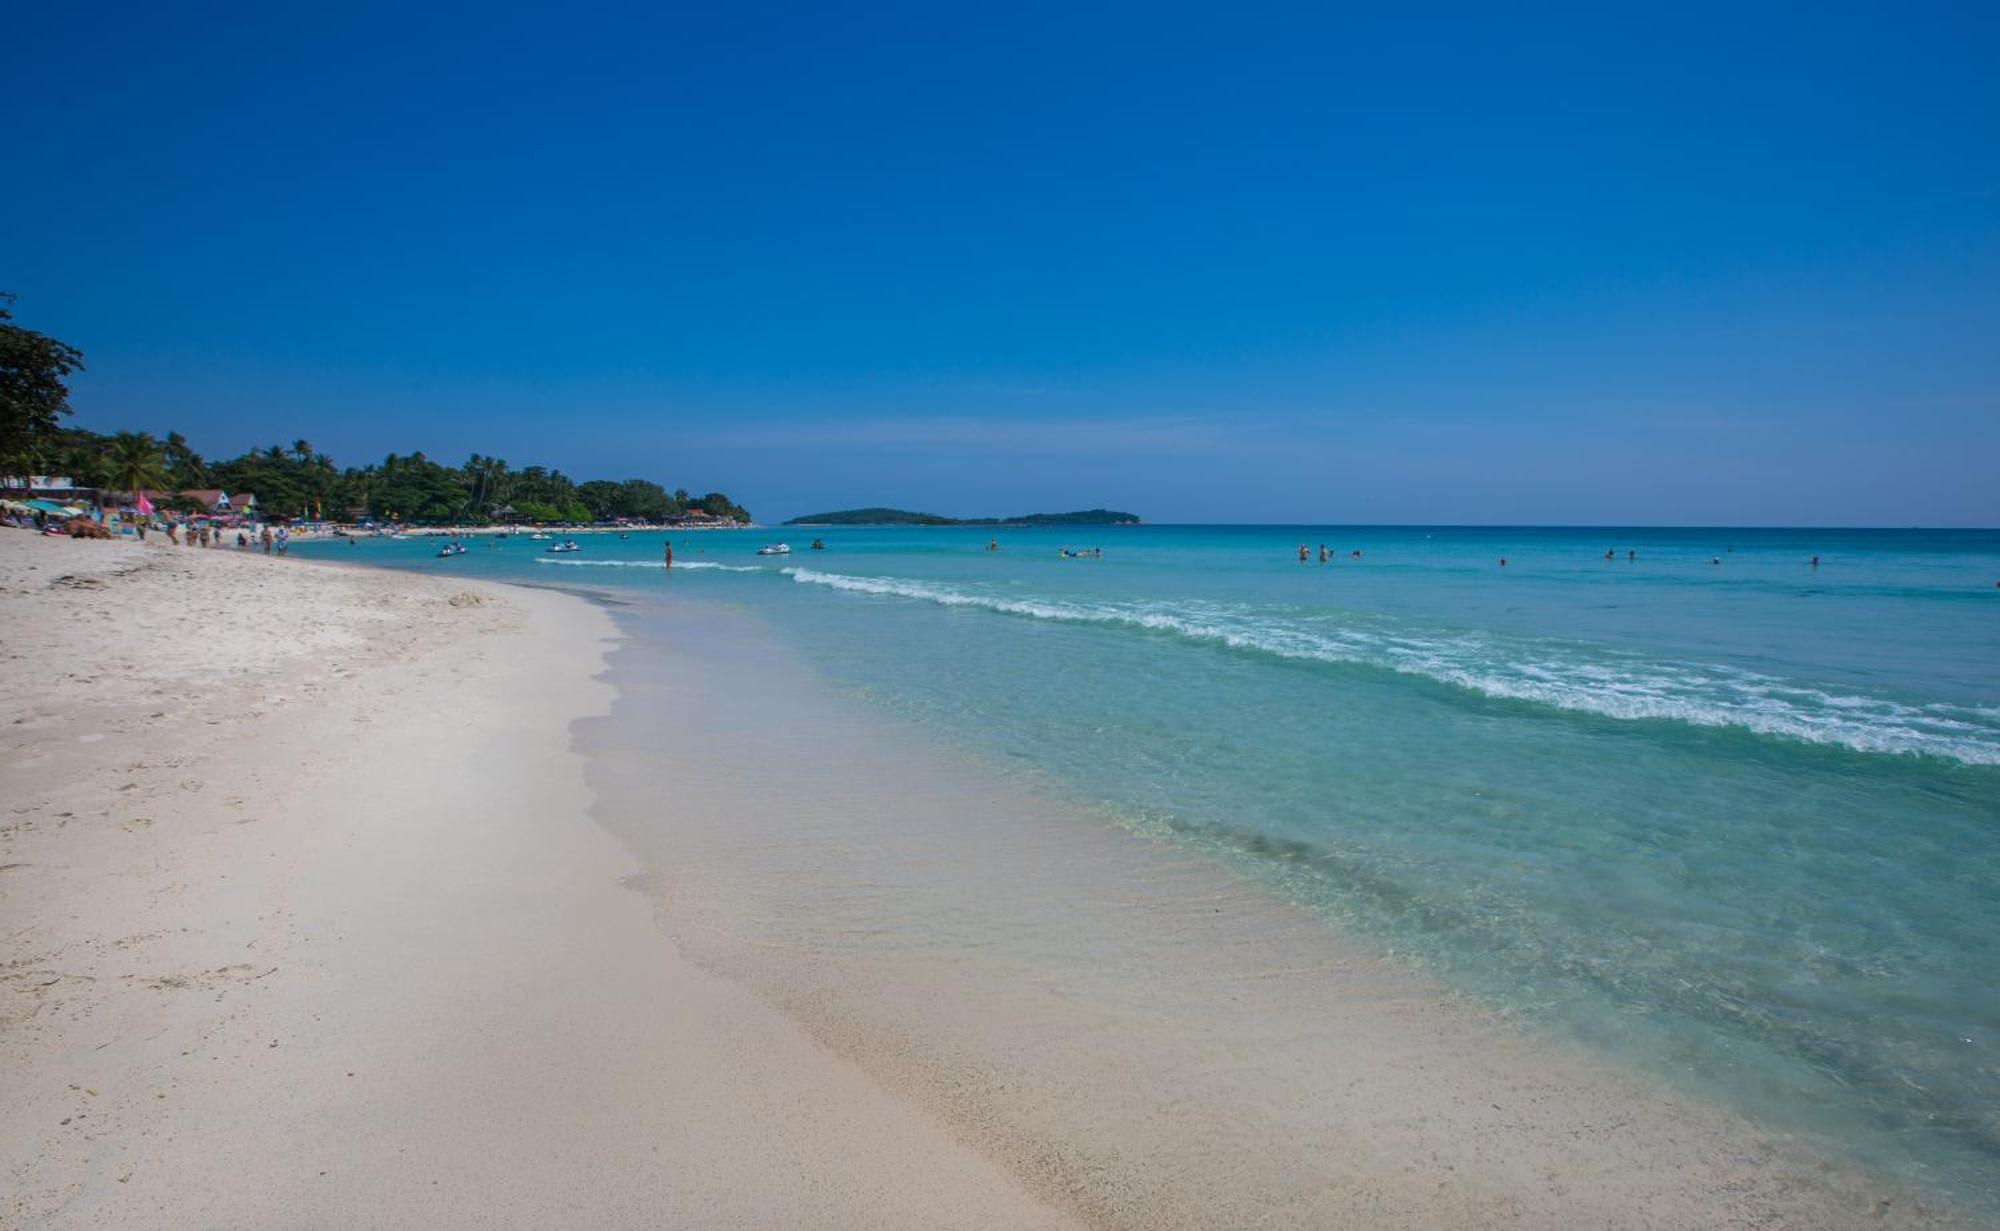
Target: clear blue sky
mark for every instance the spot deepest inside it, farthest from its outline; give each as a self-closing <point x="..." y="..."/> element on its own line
<point x="1245" y="264"/>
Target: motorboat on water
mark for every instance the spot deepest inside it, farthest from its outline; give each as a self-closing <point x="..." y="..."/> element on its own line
<point x="556" y="549"/>
<point x="539" y="535"/>
<point x="781" y="549"/>
<point x="451" y="549"/>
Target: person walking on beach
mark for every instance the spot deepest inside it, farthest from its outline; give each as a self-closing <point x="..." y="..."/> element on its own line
<point x="265" y="539"/>
<point x="670" y="555"/>
<point x="284" y="539"/>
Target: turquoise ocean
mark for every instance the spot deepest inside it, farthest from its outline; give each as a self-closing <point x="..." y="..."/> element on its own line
<point x="1727" y="816"/>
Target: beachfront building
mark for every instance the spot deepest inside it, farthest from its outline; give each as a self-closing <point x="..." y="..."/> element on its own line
<point x="60" y="488"/>
<point x="220" y="503"/>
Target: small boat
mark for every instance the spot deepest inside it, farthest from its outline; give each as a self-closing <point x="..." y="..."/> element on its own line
<point x="556" y="549"/>
<point x="451" y="549"/>
<point x="539" y="535"/>
<point x="782" y="549"/>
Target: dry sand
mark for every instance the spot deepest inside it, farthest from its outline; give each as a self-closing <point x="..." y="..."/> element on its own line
<point x="305" y="924"/>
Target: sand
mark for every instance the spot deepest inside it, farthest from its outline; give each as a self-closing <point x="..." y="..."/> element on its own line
<point x="305" y="924"/>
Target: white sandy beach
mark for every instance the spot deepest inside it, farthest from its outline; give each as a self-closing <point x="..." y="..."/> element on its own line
<point x="307" y="923"/>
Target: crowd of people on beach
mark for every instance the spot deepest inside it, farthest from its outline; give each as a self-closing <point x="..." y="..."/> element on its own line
<point x="181" y="532"/>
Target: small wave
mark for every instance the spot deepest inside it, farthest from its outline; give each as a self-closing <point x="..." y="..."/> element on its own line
<point x="1564" y="676"/>
<point x="682" y="564"/>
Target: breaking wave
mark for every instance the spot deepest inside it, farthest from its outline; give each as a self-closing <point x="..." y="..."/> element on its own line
<point x="1564" y="675"/>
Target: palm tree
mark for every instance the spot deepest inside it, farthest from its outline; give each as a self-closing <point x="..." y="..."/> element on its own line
<point x="185" y="467"/>
<point x="134" y="462"/>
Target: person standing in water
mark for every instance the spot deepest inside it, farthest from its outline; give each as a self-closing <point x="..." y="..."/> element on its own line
<point x="993" y="545"/>
<point x="1303" y="553"/>
<point x="670" y="555"/>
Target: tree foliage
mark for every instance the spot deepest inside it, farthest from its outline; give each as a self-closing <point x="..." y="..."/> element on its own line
<point x="134" y="462"/>
<point x="298" y="480"/>
<point x="34" y="391"/>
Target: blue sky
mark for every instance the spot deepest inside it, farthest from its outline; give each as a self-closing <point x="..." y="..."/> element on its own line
<point x="1255" y="264"/>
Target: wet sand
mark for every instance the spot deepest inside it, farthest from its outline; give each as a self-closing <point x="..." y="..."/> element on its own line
<point x="1138" y="1034"/>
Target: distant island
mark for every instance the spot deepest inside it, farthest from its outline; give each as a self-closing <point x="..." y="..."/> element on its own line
<point x="903" y="517"/>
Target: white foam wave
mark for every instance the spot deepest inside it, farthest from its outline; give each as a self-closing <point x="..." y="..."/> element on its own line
<point x="1566" y="676"/>
<point x="656" y="564"/>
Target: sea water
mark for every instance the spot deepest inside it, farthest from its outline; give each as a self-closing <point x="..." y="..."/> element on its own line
<point x="1715" y="810"/>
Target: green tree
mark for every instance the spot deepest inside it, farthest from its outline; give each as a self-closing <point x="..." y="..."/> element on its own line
<point x="34" y="395"/>
<point x="489" y="486"/>
<point x="135" y="462"/>
<point x="185" y="467"/>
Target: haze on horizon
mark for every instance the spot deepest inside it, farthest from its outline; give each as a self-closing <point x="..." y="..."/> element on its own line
<point x="1295" y="263"/>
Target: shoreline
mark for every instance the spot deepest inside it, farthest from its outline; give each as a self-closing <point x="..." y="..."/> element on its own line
<point x="1134" y="1029"/>
<point x="410" y="857"/>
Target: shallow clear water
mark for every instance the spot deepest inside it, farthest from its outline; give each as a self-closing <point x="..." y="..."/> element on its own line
<point x="1721" y="812"/>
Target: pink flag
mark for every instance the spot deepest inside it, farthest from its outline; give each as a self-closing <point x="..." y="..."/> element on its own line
<point x="145" y="505"/>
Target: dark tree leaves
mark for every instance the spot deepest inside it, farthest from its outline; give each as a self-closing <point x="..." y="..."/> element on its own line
<point x="34" y="394"/>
